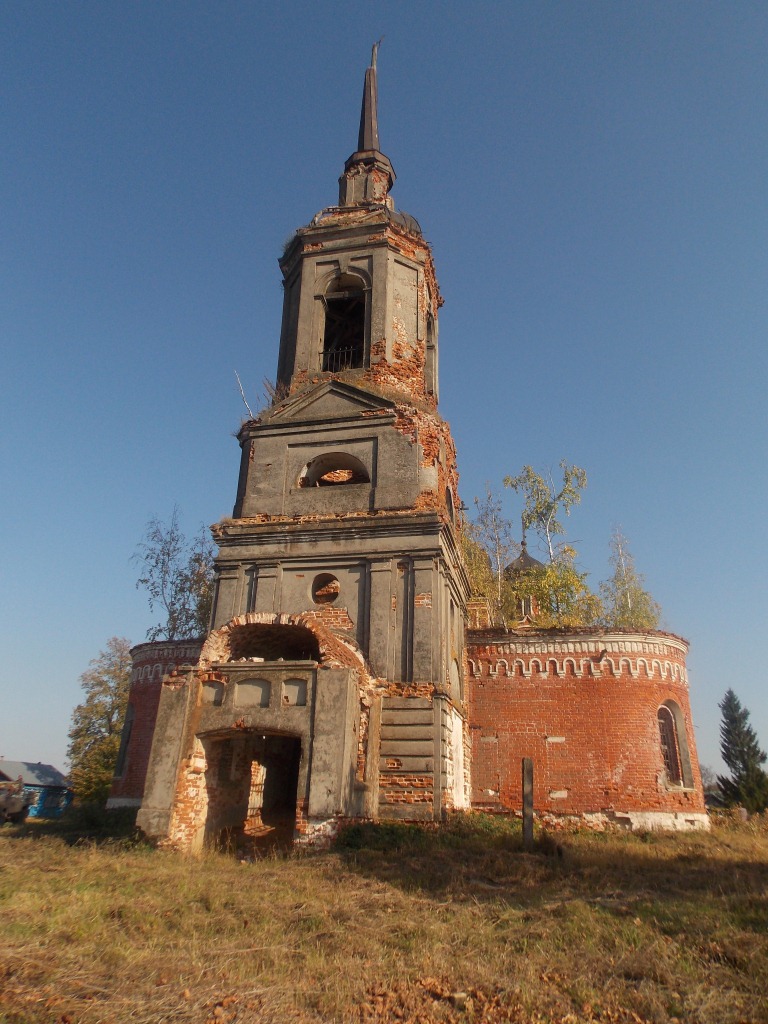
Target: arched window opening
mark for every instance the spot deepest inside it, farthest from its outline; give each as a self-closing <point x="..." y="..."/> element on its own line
<point x="325" y="588"/>
<point x="430" y="358"/>
<point x="271" y="643"/>
<point x="344" y="336"/>
<point x="332" y="470"/>
<point x="670" y="748"/>
<point x="449" y="504"/>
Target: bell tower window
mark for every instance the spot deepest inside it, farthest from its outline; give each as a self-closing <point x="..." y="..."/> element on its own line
<point x="344" y="334"/>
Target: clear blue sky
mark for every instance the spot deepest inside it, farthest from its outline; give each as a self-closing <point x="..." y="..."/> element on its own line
<point x="592" y="177"/>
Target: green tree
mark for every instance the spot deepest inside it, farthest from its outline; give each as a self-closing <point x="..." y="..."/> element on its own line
<point x="178" y="576"/>
<point x="561" y="591"/>
<point x="544" y="501"/>
<point x="94" y="738"/>
<point x="747" y="785"/>
<point x="493" y="532"/>
<point x="627" y="604"/>
<point x="477" y="563"/>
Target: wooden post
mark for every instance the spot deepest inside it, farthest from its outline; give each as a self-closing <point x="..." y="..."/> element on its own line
<point x="527" y="803"/>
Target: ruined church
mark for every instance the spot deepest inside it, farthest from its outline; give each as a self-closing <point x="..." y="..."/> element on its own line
<point x="347" y="674"/>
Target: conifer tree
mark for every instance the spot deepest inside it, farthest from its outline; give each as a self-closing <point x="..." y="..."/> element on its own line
<point x="748" y="783"/>
<point x="627" y="604"/>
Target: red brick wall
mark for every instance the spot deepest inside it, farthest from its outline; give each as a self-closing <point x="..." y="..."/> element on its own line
<point x="151" y="662"/>
<point x="584" y="708"/>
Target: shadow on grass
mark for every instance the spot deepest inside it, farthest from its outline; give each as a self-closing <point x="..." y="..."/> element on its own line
<point x="83" y="823"/>
<point x="481" y="857"/>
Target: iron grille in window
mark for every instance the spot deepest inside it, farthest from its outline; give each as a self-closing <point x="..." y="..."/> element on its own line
<point x="344" y="339"/>
<point x="669" y="747"/>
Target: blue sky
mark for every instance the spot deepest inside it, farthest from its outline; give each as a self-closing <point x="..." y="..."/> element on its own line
<point x="592" y="179"/>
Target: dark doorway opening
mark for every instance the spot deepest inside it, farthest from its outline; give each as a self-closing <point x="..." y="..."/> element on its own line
<point x="277" y="761"/>
<point x="252" y="781"/>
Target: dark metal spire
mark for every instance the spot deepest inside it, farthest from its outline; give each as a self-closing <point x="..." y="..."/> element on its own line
<point x="368" y="136"/>
<point x="368" y="175"/>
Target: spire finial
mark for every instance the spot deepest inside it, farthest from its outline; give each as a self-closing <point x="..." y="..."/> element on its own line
<point x="368" y="136"/>
<point x="378" y="176"/>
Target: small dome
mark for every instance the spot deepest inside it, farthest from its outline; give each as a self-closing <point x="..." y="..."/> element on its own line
<point x="522" y="563"/>
<point x="405" y="221"/>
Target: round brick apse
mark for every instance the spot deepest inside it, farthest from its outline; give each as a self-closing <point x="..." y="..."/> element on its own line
<point x="586" y="708"/>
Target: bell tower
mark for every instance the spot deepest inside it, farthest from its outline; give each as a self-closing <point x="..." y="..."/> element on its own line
<point x="340" y="565"/>
<point x="361" y="296"/>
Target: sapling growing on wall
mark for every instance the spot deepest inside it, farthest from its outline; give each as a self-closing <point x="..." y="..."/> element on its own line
<point x="545" y="500"/>
<point x="627" y="604"/>
<point x="493" y="531"/>
<point x="560" y="589"/>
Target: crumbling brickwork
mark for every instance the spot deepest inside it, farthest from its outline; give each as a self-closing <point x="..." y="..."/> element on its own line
<point x="151" y="663"/>
<point x="336" y="682"/>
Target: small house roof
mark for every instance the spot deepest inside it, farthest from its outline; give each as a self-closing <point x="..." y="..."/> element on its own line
<point x="32" y="773"/>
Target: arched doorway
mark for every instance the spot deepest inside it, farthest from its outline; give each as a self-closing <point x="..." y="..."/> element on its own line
<point x="251" y="784"/>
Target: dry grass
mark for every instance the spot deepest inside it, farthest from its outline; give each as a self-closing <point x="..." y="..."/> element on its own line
<point x="401" y="925"/>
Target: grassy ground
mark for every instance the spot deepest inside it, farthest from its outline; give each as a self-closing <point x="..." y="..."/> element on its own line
<point x="398" y="924"/>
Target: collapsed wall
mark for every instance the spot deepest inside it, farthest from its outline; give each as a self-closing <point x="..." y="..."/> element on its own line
<point x="151" y="663"/>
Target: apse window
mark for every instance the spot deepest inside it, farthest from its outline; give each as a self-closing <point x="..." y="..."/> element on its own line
<point x="325" y="589"/>
<point x="344" y="335"/>
<point x="670" y="748"/>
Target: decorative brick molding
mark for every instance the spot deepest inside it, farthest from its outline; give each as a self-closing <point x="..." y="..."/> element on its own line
<point x="584" y="707"/>
<point x="659" y="656"/>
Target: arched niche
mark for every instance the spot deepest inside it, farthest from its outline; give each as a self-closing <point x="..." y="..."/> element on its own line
<point x="334" y="469"/>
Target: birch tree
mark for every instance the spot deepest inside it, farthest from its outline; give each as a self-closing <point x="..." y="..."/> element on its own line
<point x="493" y="531"/>
<point x="628" y="605"/>
<point x="178" y="577"/>
<point x="545" y="501"/>
<point x="562" y="594"/>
